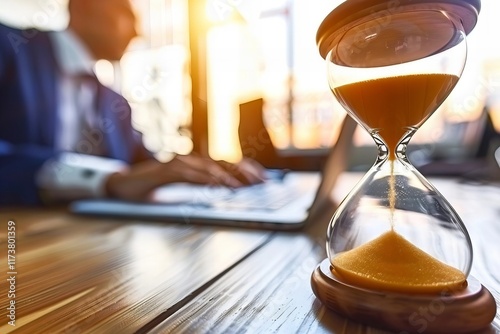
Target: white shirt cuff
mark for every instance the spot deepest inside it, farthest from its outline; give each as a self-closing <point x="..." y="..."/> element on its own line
<point x="72" y="176"/>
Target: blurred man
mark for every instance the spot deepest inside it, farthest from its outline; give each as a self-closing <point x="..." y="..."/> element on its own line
<point x="65" y="136"/>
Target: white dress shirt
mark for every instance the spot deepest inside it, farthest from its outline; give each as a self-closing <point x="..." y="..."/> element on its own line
<point x="74" y="174"/>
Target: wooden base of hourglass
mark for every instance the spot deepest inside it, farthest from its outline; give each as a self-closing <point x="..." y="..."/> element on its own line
<point x="464" y="311"/>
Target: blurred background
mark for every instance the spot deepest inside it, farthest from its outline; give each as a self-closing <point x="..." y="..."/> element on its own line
<point x="198" y="61"/>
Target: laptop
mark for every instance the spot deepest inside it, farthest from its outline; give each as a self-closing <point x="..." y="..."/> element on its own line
<point x="285" y="201"/>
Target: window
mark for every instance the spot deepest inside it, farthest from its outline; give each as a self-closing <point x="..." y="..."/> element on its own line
<point x="185" y="78"/>
<point x="154" y="77"/>
<point x="269" y="50"/>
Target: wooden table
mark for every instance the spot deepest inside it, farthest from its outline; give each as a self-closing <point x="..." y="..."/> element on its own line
<point x="93" y="275"/>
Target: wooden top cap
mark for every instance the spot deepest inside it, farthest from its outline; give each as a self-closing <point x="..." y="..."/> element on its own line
<point x="352" y="11"/>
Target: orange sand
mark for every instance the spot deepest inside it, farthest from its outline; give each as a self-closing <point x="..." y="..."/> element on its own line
<point x="392" y="263"/>
<point x="393" y="105"/>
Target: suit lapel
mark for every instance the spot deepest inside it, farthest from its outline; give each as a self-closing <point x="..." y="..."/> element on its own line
<point x="45" y="88"/>
<point x="115" y="123"/>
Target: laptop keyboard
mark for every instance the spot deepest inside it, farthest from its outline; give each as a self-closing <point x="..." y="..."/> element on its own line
<point x="275" y="193"/>
<point x="267" y="196"/>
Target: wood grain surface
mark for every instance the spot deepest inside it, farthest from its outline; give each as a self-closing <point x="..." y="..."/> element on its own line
<point x="98" y="275"/>
<point x="277" y="297"/>
<point x="80" y="275"/>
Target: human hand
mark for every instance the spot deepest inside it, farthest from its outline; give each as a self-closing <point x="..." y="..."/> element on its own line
<point x="137" y="183"/>
<point x="247" y="171"/>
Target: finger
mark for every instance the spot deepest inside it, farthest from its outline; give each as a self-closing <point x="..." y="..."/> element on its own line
<point x="253" y="170"/>
<point x="201" y="170"/>
<point x="245" y="173"/>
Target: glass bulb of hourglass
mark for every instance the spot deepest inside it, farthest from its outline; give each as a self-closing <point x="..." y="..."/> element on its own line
<point x="395" y="231"/>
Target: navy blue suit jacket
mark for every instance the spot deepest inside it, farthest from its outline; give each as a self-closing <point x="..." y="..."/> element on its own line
<point x="28" y="115"/>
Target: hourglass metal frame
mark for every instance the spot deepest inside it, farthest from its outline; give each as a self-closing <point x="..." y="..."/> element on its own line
<point x="459" y="310"/>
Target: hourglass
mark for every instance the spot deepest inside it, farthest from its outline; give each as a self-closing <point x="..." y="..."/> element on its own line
<point x="396" y="248"/>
